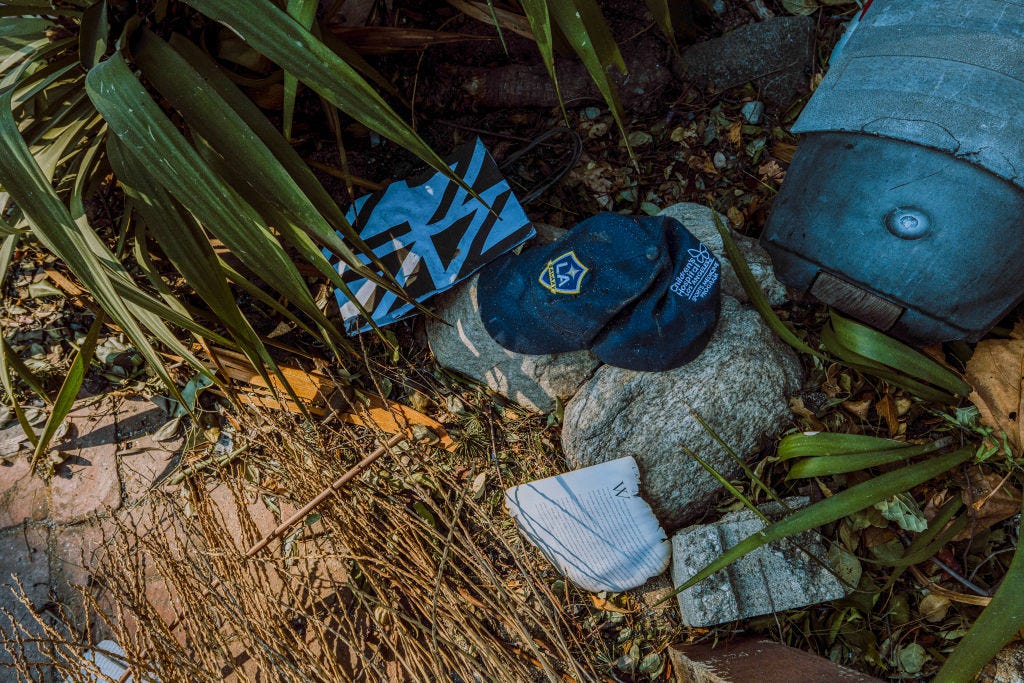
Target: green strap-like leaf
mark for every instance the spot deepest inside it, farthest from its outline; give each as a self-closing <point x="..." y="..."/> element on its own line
<point x="7" y="355"/>
<point x="270" y="31"/>
<point x="826" y="465"/>
<point x="586" y="31"/>
<point x="92" y="35"/>
<point x="310" y="188"/>
<point x="189" y="250"/>
<point x="838" y="506"/>
<point x="885" y="350"/>
<point x="51" y="223"/>
<point x="872" y="367"/>
<point x="826" y="443"/>
<point x="757" y="298"/>
<point x="152" y="138"/>
<point x="663" y="18"/>
<point x="69" y="388"/>
<point x="997" y="624"/>
<point x="304" y="12"/>
<point x="540" y="25"/>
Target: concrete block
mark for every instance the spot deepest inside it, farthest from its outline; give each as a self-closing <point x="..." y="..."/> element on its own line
<point x="783" y="575"/>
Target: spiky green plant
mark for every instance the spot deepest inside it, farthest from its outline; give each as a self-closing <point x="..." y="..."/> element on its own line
<point x="88" y="88"/>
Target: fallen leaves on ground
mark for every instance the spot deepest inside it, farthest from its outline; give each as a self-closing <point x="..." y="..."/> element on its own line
<point x="990" y="498"/>
<point x="994" y="372"/>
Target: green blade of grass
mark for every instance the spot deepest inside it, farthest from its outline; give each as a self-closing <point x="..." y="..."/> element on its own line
<point x="838" y="506"/>
<point x="581" y="23"/>
<point x="929" y="542"/>
<point x="69" y="389"/>
<point x="757" y="298"/>
<point x="540" y="25"/>
<point x="997" y="624"/>
<point x="271" y="32"/>
<point x="303" y="12"/>
<point x="153" y="139"/>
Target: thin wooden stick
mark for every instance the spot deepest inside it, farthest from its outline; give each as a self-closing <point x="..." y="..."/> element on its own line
<point x="338" y="483"/>
<point x="355" y="471"/>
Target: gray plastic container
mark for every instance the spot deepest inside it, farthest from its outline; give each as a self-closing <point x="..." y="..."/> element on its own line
<point x="904" y="204"/>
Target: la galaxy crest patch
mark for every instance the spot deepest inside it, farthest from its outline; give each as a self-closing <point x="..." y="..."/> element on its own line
<point x="563" y="275"/>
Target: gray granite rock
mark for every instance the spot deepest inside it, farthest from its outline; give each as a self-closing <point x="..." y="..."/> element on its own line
<point x="775" y="55"/>
<point x="782" y="575"/>
<point x="1005" y="667"/>
<point x="738" y="385"/>
<point x="463" y="345"/>
<point x="698" y="220"/>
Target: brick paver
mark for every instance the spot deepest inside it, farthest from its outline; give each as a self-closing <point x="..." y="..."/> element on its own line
<point x="22" y="496"/>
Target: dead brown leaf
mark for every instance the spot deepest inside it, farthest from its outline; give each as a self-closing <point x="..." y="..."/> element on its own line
<point x="735" y="134"/>
<point x="607" y="605"/>
<point x="796" y="404"/>
<point x="736" y="217"/>
<point x="995" y="372"/>
<point x="886" y="408"/>
<point x="771" y="171"/>
<point x="990" y="498"/>
<point x="858" y="409"/>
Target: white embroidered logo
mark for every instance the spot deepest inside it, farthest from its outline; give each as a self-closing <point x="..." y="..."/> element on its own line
<point x="698" y="276"/>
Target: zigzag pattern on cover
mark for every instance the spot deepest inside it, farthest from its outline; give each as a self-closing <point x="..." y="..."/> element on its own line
<point x="431" y="234"/>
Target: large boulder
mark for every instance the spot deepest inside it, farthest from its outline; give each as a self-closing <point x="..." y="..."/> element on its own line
<point x="699" y="220"/>
<point x="739" y="386"/>
<point x="461" y="343"/>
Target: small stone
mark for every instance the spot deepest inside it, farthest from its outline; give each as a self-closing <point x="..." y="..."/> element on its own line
<point x="534" y="382"/>
<point x="719" y="160"/>
<point x="698" y="220"/>
<point x="752" y="112"/>
<point x="786" y="574"/>
<point x="738" y="385"/>
<point x="1005" y="667"/>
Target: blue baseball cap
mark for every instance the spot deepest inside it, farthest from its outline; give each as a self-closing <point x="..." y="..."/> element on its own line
<point x="640" y="292"/>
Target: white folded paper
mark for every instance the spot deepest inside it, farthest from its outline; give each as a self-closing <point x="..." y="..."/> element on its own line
<point x="593" y="525"/>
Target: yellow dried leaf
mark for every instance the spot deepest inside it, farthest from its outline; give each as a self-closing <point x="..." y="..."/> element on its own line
<point x="994" y="372"/>
<point x="736" y="217"/>
<point x="886" y="408"/>
<point x="606" y="605"/>
<point x="858" y="408"/>
<point x="934" y="607"/>
<point x="735" y="134"/>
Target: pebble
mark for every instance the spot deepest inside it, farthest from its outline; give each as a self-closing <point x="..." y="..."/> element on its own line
<point x="753" y="111"/>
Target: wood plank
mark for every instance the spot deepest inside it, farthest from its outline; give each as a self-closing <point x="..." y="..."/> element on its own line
<point x="756" y="660"/>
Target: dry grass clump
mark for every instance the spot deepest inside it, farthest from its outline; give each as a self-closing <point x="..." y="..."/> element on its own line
<point x="408" y="574"/>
